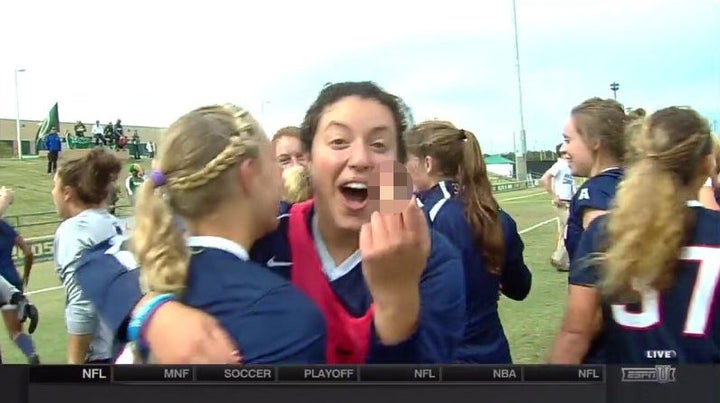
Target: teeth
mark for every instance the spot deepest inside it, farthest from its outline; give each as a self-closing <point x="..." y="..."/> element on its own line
<point x="356" y="185"/>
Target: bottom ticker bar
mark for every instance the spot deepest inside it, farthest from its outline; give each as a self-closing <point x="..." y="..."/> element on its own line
<point x="319" y="374"/>
<point x="564" y="373"/>
<point x="481" y="373"/>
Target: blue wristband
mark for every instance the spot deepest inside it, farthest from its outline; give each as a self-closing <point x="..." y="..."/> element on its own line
<point x="137" y="321"/>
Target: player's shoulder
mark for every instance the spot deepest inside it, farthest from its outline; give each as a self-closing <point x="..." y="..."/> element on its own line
<point x="707" y="223"/>
<point x="5" y="227"/>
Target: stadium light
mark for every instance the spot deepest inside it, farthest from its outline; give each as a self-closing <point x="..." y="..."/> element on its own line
<point x="17" y="113"/>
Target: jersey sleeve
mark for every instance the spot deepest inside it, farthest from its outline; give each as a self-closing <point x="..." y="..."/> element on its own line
<point x="516" y="278"/>
<point x="442" y="312"/>
<point x="596" y="195"/>
<point x="7" y="228"/>
<point x="583" y="271"/>
<point x="113" y="289"/>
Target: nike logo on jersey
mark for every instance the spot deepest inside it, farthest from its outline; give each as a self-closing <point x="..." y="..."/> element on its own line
<point x="273" y="263"/>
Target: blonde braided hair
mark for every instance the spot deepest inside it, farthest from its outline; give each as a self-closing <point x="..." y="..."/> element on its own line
<point x="196" y="158"/>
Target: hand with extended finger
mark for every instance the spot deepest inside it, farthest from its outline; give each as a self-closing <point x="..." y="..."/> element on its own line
<point x="395" y="249"/>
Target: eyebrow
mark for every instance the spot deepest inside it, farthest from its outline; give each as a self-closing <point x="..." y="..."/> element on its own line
<point x="343" y="126"/>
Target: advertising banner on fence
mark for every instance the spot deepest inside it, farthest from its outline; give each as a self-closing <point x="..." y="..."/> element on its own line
<point x="43" y="247"/>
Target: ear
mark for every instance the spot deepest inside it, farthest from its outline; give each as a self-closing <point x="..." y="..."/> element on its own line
<point x="245" y="174"/>
<point x="428" y="163"/>
<point x="67" y="193"/>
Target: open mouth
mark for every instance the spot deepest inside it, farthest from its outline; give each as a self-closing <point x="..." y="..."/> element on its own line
<point x="355" y="195"/>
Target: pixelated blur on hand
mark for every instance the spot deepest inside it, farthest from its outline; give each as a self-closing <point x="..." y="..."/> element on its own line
<point x="390" y="188"/>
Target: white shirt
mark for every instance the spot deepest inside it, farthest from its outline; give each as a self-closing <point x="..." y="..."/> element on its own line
<point x="563" y="180"/>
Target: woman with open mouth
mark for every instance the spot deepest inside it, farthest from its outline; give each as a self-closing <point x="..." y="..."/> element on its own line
<point x="391" y="290"/>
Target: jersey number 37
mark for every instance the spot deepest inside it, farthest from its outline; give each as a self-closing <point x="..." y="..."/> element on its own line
<point x="701" y="300"/>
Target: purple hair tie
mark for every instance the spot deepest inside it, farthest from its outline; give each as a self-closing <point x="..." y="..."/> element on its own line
<point x="157" y="177"/>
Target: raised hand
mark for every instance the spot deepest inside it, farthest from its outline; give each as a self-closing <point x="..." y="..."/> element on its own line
<point x="395" y="247"/>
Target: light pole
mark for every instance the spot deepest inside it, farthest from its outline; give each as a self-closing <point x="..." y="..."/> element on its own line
<point x="17" y="111"/>
<point x="521" y="157"/>
<point x="614" y="86"/>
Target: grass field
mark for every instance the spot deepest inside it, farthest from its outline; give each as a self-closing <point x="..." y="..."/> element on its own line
<point x="530" y="324"/>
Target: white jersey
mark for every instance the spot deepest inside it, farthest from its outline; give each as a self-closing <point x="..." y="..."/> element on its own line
<point x="563" y="180"/>
<point x="72" y="238"/>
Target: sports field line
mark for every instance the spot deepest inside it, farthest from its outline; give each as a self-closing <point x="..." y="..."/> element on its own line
<point x="522" y="197"/>
<point x="534" y="227"/>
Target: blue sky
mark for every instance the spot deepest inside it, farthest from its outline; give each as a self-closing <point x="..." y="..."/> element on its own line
<point x="149" y="62"/>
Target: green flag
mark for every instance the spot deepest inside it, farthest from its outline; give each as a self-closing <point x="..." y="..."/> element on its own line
<point x="46" y="126"/>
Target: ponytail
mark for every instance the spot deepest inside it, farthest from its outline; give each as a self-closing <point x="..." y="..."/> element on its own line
<point x="481" y="208"/>
<point x="159" y="246"/>
<point x="649" y="212"/>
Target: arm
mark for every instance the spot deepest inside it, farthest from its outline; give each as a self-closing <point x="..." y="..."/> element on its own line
<point x="27" y="252"/>
<point x="176" y="333"/>
<point x="582" y="322"/>
<point x="516" y="278"/>
<point x="441" y="322"/>
<point x="583" y="317"/>
<point x="590" y="214"/>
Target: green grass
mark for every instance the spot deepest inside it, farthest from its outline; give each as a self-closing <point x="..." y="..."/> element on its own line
<point x="530" y="324"/>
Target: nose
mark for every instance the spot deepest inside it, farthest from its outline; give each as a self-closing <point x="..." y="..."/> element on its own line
<point x="360" y="157"/>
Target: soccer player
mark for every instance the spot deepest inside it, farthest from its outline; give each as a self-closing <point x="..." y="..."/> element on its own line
<point x="9" y="238"/>
<point x="386" y="295"/>
<point x="80" y="192"/>
<point x="653" y="261"/>
<point x="596" y="145"/>
<point x="448" y="170"/>
<point x="289" y="149"/>
<point x="595" y="137"/>
<point x="133" y="181"/>
<point x="10" y="295"/>
<point x="217" y="172"/>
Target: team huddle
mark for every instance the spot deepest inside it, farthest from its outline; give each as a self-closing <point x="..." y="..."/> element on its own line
<point x="364" y="237"/>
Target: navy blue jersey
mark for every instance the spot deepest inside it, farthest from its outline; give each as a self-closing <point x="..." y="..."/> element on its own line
<point x="442" y="310"/>
<point x="270" y="321"/>
<point x="484" y="340"/>
<point x="8" y="238"/>
<point x="678" y="325"/>
<point x="596" y="193"/>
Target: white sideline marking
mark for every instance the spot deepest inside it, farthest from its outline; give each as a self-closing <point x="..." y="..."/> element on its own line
<point x="44" y="290"/>
<point x="534" y="227"/>
<point x="522" y="197"/>
<point x="538" y="225"/>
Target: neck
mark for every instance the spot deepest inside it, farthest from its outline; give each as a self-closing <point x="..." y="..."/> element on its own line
<point x="603" y="163"/>
<point x="340" y="243"/>
<point x="76" y="209"/>
<point x="236" y="230"/>
<point x="434" y="180"/>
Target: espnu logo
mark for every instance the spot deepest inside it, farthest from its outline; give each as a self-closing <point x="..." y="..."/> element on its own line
<point x="659" y="374"/>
